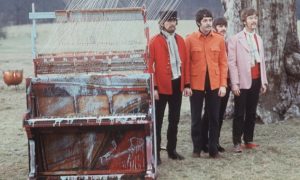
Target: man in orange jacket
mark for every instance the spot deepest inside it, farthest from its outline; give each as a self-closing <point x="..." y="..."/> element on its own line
<point x="207" y="63"/>
<point x="219" y="26"/>
<point x="167" y="63"/>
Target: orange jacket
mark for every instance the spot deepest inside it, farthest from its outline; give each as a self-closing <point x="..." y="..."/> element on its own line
<point x="159" y="63"/>
<point x="206" y="51"/>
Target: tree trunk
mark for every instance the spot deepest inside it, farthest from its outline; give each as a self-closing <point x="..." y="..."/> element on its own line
<point x="278" y="27"/>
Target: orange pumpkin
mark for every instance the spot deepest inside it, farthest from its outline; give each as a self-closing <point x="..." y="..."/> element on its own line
<point x="13" y="77"/>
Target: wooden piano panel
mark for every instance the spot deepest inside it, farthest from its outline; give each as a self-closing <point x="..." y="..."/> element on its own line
<point x="115" y="149"/>
<point x="93" y="105"/>
<point x="130" y="103"/>
<point x="60" y="106"/>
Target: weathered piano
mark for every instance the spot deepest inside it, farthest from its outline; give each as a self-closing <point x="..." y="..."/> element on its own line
<point x="90" y="116"/>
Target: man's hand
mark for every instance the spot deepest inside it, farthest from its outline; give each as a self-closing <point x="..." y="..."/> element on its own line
<point x="156" y="96"/>
<point x="187" y="92"/>
<point x="222" y="91"/>
<point x="236" y="90"/>
<point x="263" y="89"/>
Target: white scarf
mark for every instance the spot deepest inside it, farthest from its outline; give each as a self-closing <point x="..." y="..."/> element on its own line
<point x="175" y="60"/>
<point x="255" y="57"/>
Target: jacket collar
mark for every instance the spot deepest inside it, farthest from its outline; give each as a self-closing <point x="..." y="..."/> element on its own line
<point x="164" y="42"/>
<point x="165" y="36"/>
<point x="200" y="34"/>
<point x="242" y="38"/>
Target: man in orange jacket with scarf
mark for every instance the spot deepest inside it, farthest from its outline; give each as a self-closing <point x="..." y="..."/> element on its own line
<point x="167" y="63"/>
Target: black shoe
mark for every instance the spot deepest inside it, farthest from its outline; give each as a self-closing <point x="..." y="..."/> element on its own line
<point x="158" y="161"/>
<point x="175" y="155"/>
<point x="205" y="149"/>
<point x="220" y="148"/>
<point x="215" y="156"/>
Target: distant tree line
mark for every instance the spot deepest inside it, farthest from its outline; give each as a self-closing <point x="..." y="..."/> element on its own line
<point x="15" y="12"/>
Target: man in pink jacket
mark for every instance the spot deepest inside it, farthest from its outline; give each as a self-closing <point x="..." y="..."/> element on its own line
<point x="247" y="71"/>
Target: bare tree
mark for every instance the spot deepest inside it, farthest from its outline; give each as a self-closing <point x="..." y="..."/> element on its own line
<point x="278" y="28"/>
<point x="2" y="33"/>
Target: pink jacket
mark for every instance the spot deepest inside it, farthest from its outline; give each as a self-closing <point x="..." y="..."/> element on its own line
<point x="239" y="61"/>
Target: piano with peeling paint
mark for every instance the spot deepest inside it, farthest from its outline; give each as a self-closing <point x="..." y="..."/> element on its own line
<point x="82" y="124"/>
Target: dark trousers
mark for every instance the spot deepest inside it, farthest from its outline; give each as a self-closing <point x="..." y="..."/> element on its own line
<point x="223" y="105"/>
<point x="174" y="102"/>
<point x="245" y="107"/>
<point x="213" y="105"/>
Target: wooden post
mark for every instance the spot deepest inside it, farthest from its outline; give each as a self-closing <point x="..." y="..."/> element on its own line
<point x="33" y="34"/>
